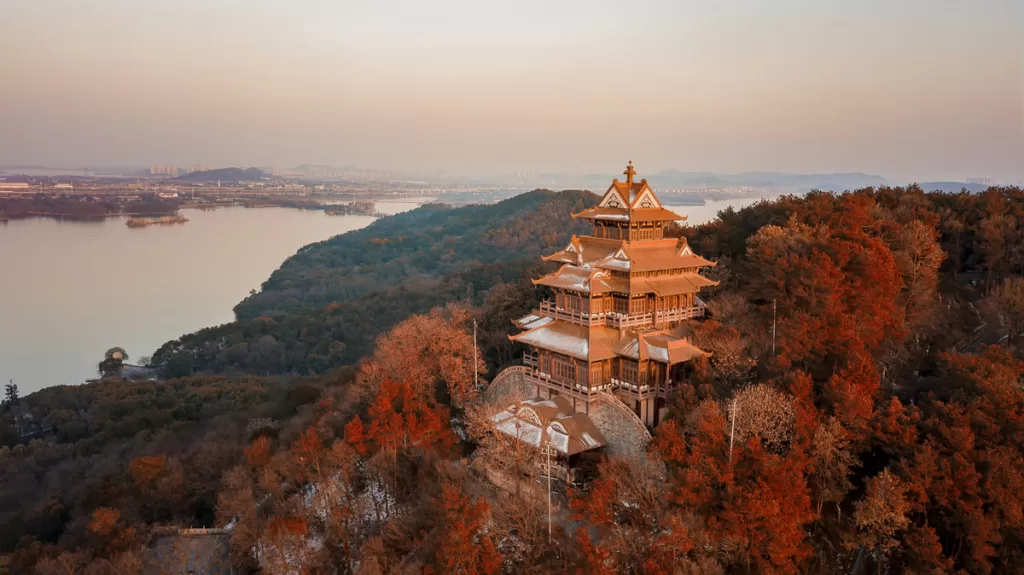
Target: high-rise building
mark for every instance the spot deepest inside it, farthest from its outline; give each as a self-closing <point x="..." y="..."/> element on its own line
<point x="164" y="170"/>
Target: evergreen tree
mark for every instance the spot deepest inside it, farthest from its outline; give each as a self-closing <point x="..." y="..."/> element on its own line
<point x="11" y="393"/>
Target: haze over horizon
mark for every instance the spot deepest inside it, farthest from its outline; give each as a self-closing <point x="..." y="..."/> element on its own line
<point x="914" y="90"/>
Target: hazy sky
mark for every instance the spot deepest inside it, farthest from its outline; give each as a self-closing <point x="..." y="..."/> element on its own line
<point x="909" y="89"/>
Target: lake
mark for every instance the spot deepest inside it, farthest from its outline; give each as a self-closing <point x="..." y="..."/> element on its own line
<point x="69" y="291"/>
<point x="696" y="215"/>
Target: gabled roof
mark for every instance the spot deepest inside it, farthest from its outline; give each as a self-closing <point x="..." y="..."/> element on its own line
<point x="645" y="198"/>
<point x="630" y="201"/>
<point x="553" y="422"/>
<point x="659" y="346"/>
<point x="669" y="253"/>
<point x="614" y="198"/>
<point x="583" y="280"/>
<point x="585" y="250"/>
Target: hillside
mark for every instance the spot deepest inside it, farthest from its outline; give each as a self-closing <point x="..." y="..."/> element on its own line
<point x="429" y="242"/>
<point x="324" y="306"/>
<point x="875" y="432"/>
<point x="224" y="175"/>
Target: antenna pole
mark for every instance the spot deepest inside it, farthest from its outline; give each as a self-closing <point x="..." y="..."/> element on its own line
<point x="773" y="325"/>
<point x="732" y="430"/>
<point x="549" y="490"/>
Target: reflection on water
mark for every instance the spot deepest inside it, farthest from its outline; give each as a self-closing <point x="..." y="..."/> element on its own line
<point x="70" y="291"/>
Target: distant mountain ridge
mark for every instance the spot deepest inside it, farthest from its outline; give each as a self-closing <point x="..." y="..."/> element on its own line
<point x="780" y="181"/>
<point x="225" y="175"/>
<point x="797" y="182"/>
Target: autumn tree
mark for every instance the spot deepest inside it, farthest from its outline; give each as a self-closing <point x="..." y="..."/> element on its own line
<point x="424" y="349"/>
<point x="110" y="531"/>
<point x="766" y="413"/>
<point x="629" y="525"/>
<point x="1006" y="303"/>
<point x="464" y="546"/>
<point x="965" y="475"/>
<point x="882" y="514"/>
<point x="147" y="470"/>
<point x="835" y="279"/>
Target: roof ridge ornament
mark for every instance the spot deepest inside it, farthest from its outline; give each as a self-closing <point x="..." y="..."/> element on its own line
<point x="630" y="172"/>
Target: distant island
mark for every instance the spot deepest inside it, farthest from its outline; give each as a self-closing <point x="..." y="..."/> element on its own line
<point x="85" y="207"/>
<point x="138" y="222"/>
<point x="358" y="208"/>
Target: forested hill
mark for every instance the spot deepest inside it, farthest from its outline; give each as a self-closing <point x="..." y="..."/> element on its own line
<point x="867" y="359"/>
<point x="433" y="241"/>
<point x="325" y="306"/>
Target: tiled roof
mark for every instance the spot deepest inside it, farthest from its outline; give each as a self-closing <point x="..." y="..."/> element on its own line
<point x="587" y="248"/>
<point x="532" y="321"/>
<point x="560" y="337"/>
<point x="583" y="280"/>
<point x="688" y="282"/>
<point x="584" y="343"/>
<point x="659" y="346"/>
<point x="600" y="343"/>
<point x="637" y="215"/>
<point x="550" y="421"/>
<point x="568" y="277"/>
<point x="641" y="255"/>
<point x="669" y="253"/>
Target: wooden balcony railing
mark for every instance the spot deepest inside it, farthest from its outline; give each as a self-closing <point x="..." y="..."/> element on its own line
<point x="621" y="320"/>
<point x="550" y="309"/>
<point x="584" y="390"/>
<point x="660" y="317"/>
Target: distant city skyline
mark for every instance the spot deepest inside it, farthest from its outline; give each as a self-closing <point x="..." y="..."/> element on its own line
<point x="915" y="90"/>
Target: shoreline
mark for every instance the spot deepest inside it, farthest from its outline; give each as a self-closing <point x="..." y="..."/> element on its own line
<point x="74" y="359"/>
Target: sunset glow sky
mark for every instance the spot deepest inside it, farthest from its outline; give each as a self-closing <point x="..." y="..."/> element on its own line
<point x="909" y="89"/>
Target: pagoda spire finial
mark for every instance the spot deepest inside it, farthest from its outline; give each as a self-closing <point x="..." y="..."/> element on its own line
<point x="630" y="172"/>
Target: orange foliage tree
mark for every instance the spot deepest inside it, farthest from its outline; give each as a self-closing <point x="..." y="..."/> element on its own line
<point x="463" y="544"/>
<point x="425" y="349"/>
<point x="147" y="470"/>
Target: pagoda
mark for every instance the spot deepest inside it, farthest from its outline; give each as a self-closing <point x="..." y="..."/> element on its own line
<point x="621" y="296"/>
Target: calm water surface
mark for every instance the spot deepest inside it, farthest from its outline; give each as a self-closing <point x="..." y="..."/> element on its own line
<point x="70" y="290"/>
<point x="696" y="215"/>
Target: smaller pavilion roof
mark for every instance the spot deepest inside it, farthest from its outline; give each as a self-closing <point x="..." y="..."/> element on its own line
<point x="553" y="422"/>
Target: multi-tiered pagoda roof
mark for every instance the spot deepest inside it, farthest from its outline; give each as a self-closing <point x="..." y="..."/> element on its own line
<point x="622" y="297"/>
